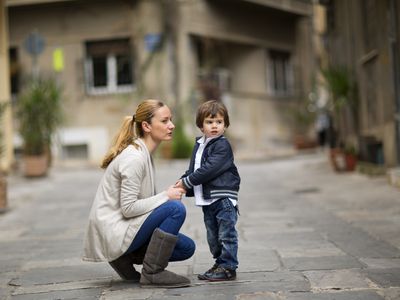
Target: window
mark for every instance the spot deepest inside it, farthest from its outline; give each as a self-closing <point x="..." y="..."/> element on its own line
<point x="14" y="71"/>
<point x="279" y="73"/>
<point x="108" y="66"/>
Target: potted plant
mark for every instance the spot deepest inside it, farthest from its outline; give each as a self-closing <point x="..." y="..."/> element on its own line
<point x="337" y="158"/>
<point x="342" y="90"/>
<point x="3" y="181"/>
<point x="39" y="113"/>
<point x="350" y="154"/>
<point x="302" y="119"/>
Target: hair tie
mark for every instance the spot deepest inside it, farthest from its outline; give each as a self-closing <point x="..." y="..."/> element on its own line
<point x="133" y="118"/>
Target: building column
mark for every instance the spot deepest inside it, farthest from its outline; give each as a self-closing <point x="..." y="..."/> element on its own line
<point x="7" y="158"/>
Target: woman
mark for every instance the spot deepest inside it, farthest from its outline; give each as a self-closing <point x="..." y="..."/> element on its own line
<point x="129" y="222"/>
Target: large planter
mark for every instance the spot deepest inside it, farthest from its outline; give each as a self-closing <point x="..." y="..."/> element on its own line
<point x="35" y="166"/>
<point x="338" y="159"/>
<point x="342" y="161"/>
<point x="301" y="142"/>
<point x="3" y="193"/>
<point x="351" y="162"/>
<point x="39" y="113"/>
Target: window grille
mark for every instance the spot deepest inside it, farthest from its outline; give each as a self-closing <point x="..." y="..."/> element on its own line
<point x="279" y="73"/>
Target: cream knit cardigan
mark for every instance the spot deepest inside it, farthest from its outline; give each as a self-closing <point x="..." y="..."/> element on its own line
<point x="125" y="197"/>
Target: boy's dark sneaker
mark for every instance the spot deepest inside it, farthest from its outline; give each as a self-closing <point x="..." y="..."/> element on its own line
<point x="221" y="274"/>
<point x="207" y="273"/>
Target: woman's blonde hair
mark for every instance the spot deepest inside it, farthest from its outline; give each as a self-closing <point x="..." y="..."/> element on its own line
<point x="131" y="129"/>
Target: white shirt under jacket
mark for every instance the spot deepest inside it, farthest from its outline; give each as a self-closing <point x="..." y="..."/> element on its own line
<point x="125" y="197"/>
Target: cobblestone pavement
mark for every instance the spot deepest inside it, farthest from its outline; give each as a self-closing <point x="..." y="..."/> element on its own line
<point x="305" y="233"/>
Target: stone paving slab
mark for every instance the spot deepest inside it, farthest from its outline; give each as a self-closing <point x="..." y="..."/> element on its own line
<point x="62" y="287"/>
<point x="352" y="295"/>
<point x="385" y="277"/>
<point x="338" y="280"/>
<point x="64" y="274"/>
<point x="81" y="294"/>
<point x="321" y="263"/>
<point x="381" y="263"/>
<point x="390" y="293"/>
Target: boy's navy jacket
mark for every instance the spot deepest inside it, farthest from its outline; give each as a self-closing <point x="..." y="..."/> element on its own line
<point x="217" y="173"/>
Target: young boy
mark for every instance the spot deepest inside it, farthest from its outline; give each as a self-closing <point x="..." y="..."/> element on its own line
<point x="214" y="181"/>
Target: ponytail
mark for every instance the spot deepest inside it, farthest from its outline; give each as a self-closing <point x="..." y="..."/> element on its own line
<point x="123" y="139"/>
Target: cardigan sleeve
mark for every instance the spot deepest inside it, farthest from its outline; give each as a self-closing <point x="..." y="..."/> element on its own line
<point x="132" y="172"/>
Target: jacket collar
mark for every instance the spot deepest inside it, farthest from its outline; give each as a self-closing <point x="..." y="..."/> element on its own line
<point x="201" y="139"/>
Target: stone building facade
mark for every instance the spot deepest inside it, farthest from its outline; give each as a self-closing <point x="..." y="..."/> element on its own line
<point x="255" y="56"/>
<point x="363" y="36"/>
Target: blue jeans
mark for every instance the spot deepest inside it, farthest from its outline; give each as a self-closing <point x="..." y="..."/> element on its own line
<point x="169" y="217"/>
<point x="220" y="219"/>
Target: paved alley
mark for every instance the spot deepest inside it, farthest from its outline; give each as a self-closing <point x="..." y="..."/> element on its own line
<point x="305" y="233"/>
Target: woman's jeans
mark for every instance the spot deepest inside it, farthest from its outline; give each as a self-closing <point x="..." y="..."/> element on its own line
<point x="220" y="219"/>
<point x="169" y="217"/>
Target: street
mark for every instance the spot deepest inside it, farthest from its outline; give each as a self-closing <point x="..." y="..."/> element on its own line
<point x="305" y="233"/>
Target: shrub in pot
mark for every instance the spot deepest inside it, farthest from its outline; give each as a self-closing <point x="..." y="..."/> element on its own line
<point x="39" y="113"/>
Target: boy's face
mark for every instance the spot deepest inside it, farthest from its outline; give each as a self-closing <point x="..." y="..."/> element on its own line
<point x="213" y="127"/>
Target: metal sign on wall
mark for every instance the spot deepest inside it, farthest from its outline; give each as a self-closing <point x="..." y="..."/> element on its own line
<point x="34" y="43"/>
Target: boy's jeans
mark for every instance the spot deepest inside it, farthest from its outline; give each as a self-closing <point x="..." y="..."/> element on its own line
<point x="220" y="219"/>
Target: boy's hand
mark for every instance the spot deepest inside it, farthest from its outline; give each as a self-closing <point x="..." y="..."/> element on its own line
<point x="179" y="184"/>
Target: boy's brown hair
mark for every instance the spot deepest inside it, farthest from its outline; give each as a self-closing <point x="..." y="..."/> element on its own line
<point x="210" y="109"/>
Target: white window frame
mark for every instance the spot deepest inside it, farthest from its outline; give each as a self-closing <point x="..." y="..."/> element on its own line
<point x="288" y="75"/>
<point x="112" y="87"/>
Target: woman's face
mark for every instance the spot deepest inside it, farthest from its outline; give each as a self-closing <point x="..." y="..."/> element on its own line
<point x="161" y="126"/>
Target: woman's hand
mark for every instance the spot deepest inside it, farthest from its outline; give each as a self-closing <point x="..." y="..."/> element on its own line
<point x="175" y="193"/>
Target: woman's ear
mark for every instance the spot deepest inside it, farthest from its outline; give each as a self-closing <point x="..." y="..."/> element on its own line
<point x="146" y="127"/>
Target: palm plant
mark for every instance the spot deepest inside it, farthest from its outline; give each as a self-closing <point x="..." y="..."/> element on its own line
<point x="340" y="85"/>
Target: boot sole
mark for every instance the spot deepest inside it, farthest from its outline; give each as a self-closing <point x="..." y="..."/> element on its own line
<point x="162" y="286"/>
<point x="219" y="280"/>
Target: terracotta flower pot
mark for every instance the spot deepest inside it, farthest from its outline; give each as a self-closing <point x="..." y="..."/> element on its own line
<point x="338" y="159"/>
<point x="35" y="166"/>
<point x="351" y="162"/>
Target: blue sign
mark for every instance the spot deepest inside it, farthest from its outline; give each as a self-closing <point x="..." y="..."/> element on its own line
<point x="152" y="41"/>
<point x="34" y="43"/>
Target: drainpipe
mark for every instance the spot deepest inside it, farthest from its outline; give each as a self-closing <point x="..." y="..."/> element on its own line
<point x="394" y="48"/>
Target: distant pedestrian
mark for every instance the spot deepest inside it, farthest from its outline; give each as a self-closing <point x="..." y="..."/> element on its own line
<point x="213" y="180"/>
<point x="322" y="128"/>
<point x="130" y="223"/>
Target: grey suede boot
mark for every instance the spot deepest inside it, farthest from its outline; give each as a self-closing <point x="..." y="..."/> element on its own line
<point x="156" y="260"/>
<point x="123" y="265"/>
